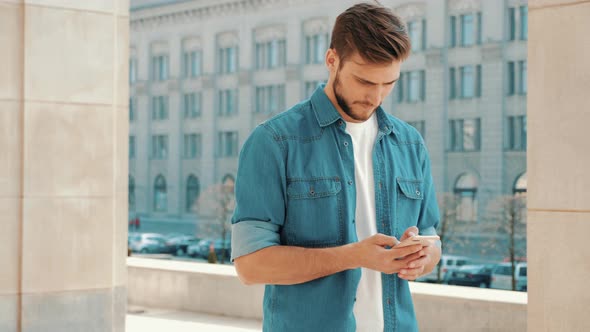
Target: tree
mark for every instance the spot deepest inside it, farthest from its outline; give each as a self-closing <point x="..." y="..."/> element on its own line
<point x="454" y="234"/>
<point x="506" y="222"/>
<point x="215" y="207"/>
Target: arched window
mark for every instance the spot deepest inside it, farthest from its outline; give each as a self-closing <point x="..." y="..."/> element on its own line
<point x="160" y="194"/>
<point x="131" y="193"/>
<point x="465" y="191"/>
<point x="192" y="192"/>
<point x="520" y="185"/>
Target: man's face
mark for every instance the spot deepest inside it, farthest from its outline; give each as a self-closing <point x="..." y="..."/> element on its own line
<point x="360" y="87"/>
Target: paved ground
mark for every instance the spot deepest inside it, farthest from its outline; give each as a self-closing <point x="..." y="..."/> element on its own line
<point x="156" y="320"/>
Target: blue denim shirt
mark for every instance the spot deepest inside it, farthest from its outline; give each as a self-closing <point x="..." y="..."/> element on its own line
<point x="296" y="186"/>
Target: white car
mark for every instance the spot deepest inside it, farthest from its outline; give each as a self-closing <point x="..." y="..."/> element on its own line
<point x="447" y="263"/>
<point x="502" y="279"/>
<point x="148" y="243"/>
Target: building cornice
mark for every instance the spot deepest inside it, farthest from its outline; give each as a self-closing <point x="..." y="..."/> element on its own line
<point x="201" y="10"/>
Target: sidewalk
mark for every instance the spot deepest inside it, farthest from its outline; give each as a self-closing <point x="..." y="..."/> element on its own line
<point x="156" y="320"/>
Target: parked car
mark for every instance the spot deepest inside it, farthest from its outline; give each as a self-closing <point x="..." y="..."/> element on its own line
<point x="446" y="263"/>
<point x="502" y="278"/>
<point x="471" y="275"/>
<point x="201" y="249"/>
<point x="148" y="243"/>
<point x="178" y="244"/>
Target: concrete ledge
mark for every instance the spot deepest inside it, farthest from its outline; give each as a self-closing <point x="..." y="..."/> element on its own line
<point x="456" y="308"/>
<point x="216" y="289"/>
<point x="189" y="286"/>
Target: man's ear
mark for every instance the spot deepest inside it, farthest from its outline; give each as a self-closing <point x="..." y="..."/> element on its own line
<point x="332" y="59"/>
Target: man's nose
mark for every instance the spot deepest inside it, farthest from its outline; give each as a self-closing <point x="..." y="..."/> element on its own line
<point x="374" y="96"/>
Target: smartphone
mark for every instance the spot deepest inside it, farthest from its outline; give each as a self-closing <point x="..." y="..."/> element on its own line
<point x="424" y="240"/>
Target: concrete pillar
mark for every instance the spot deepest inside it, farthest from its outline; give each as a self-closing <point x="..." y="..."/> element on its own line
<point x="558" y="164"/>
<point x="63" y="164"/>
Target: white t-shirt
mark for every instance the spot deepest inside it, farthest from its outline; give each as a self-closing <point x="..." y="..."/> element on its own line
<point x="368" y="308"/>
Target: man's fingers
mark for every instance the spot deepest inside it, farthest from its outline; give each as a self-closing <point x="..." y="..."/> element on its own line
<point x="384" y="240"/>
<point x="421" y="261"/>
<point x="414" y="256"/>
<point x="405" y="251"/>
<point x="411" y="274"/>
<point x="411" y="231"/>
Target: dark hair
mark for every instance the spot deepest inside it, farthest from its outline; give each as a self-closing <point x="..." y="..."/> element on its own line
<point x="375" y="32"/>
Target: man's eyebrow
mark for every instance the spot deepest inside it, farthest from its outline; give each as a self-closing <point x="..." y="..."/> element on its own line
<point x="369" y="82"/>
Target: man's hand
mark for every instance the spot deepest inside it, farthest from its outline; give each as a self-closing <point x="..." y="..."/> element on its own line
<point x="421" y="262"/>
<point x="372" y="253"/>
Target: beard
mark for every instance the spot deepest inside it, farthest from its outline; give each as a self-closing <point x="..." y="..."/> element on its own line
<point x="345" y="105"/>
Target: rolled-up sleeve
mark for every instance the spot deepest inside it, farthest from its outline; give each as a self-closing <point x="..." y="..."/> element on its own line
<point x="260" y="191"/>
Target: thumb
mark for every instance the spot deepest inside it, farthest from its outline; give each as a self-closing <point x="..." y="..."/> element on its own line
<point x="411" y="231"/>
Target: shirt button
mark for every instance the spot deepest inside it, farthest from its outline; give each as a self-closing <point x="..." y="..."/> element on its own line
<point x="353" y="221"/>
<point x="355" y="299"/>
<point x="349" y="182"/>
<point x="345" y="143"/>
<point x="340" y="122"/>
<point x="418" y="192"/>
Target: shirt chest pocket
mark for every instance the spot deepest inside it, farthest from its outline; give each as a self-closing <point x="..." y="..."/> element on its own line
<point x="314" y="212"/>
<point x="409" y="201"/>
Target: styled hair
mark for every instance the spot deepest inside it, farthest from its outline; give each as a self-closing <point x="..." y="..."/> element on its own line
<point x="375" y="32"/>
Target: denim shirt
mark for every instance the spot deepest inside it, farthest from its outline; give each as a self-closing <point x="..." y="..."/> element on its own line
<point x="295" y="186"/>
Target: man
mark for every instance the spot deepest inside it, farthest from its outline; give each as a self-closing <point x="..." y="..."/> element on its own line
<point x="325" y="189"/>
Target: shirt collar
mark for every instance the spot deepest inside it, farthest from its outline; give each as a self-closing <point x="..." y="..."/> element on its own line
<point x="326" y="113"/>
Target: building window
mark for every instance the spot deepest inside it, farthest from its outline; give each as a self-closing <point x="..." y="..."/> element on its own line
<point x="517" y="81"/>
<point x="411" y="86"/>
<point x="192" y="146"/>
<point x="465" y="191"/>
<point x="132" y="70"/>
<point x="131" y="147"/>
<point x="469" y="30"/>
<point x="520" y="185"/>
<point x="310" y="87"/>
<point x="524" y="23"/>
<point x="511" y="78"/>
<point x="420" y="126"/>
<point x="159" y="146"/>
<point x="452" y="83"/>
<point x="131" y="194"/>
<point x="399" y="86"/>
<point x="227" y="144"/>
<point x="228" y="102"/>
<point x="160" y="67"/>
<point x="160" y="108"/>
<point x="522" y="77"/>
<point x="132" y="109"/>
<point x="316" y="46"/>
<point x="191" y="105"/>
<point x="192" y="192"/>
<point x="191" y="64"/>
<point x="511" y="23"/>
<point x="160" y="194"/>
<point x="270" y="99"/>
<point x="470" y="80"/>
<point x="271" y="54"/>
<point x="518" y="23"/>
<point x="465" y="134"/>
<point x="228" y="60"/>
<point x="517" y="131"/>
<point x="417" y="33"/>
<point x="453" y="32"/>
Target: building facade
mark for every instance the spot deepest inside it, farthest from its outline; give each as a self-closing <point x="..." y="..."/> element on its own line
<point x="204" y="74"/>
